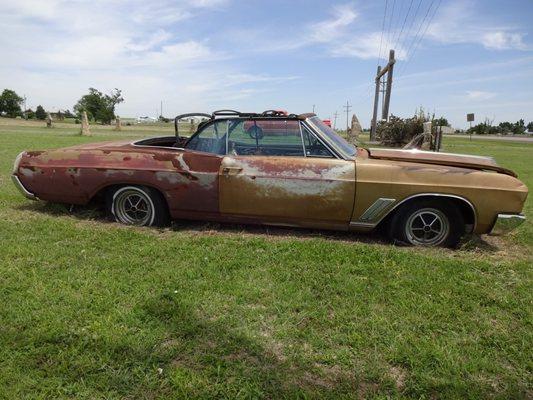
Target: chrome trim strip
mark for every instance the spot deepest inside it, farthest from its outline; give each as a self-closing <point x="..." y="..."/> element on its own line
<point x="505" y="223"/>
<point x="376" y="209"/>
<point x="452" y="196"/>
<point x="368" y="225"/>
<point x="22" y="189"/>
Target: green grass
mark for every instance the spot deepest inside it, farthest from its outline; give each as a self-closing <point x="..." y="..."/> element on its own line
<point x="92" y="309"/>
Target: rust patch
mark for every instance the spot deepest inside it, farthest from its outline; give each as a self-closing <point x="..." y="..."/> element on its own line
<point x="34" y="153"/>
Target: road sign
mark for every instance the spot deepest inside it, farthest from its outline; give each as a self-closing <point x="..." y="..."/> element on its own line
<point x="470" y="117"/>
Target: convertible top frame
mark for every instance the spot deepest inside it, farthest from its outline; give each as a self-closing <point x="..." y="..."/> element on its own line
<point x="219" y="114"/>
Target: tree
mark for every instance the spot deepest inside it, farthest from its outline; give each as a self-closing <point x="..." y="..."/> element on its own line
<point x="40" y="113"/>
<point x="530" y="126"/>
<point x="99" y="106"/>
<point x="29" y="113"/>
<point x="441" y="122"/>
<point x="10" y="103"/>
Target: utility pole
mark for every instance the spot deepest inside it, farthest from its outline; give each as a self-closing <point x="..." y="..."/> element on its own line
<point x="25" y="115"/>
<point x="388" y="69"/>
<point x="161" y="108"/>
<point x="347" y="108"/>
<point x="313" y="108"/>
<point x="335" y="120"/>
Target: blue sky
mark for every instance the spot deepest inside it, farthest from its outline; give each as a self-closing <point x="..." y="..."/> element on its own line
<point x="200" y="55"/>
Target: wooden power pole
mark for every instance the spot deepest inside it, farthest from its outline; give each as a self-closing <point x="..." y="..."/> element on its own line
<point x="347" y="108"/>
<point x="388" y="69"/>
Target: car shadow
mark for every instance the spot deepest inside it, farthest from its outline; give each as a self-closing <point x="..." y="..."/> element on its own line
<point x="471" y="243"/>
<point x="206" y="351"/>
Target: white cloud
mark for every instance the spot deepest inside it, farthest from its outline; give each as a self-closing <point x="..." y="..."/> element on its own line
<point x="53" y="51"/>
<point x="326" y="31"/>
<point x="366" y="46"/>
<point x="479" y="95"/>
<point x="501" y="40"/>
<point x="459" y="22"/>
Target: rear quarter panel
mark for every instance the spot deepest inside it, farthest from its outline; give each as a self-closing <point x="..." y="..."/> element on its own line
<point x="188" y="180"/>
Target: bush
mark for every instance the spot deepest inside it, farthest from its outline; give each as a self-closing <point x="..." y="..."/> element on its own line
<point x="398" y="131"/>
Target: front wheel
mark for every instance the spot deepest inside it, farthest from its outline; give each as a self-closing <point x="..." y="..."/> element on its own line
<point x="428" y="223"/>
<point x="137" y="205"/>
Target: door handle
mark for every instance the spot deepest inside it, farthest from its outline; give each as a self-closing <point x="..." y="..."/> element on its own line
<point x="231" y="170"/>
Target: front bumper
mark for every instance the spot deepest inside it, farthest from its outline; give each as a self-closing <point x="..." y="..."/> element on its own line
<point x="22" y="189"/>
<point x="505" y="223"/>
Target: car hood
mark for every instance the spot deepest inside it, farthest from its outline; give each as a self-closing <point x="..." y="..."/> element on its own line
<point x="450" y="159"/>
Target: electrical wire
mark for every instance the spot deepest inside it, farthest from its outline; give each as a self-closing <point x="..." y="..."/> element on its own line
<point x="382" y="31"/>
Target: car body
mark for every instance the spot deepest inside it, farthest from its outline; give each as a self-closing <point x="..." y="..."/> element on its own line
<point x="307" y="176"/>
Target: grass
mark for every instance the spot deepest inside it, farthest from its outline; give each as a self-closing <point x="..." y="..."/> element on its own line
<point x="92" y="309"/>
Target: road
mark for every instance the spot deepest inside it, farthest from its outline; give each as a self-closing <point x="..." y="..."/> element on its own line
<point x="521" y="139"/>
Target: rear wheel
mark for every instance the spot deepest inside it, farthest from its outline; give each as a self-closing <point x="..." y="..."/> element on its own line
<point x="428" y="223"/>
<point x="137" y="205"/>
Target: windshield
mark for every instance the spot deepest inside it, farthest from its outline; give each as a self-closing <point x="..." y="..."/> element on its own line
<point x="337" y="141"/>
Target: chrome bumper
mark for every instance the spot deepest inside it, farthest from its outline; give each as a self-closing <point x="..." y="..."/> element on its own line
<point x="506" y="223"/>
<point x="22" y="189"/>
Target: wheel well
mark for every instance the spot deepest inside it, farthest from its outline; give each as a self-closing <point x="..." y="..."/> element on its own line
<point x="464" y="207"/>
<point x="100" y="196"/>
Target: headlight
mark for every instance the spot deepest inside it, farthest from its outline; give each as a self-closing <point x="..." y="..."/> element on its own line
<point x="17" y="162"/>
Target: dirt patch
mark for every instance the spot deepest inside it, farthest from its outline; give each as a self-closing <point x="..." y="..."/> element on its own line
<point x="399" y="376"/>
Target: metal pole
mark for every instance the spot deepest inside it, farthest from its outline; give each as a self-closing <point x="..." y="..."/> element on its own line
<point x="385" y="115"/>
<point x="376" y="104"/>
<point x="335" y="120"/>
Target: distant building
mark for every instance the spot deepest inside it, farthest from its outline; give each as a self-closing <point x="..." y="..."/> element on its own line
<point x="146" y="119"/>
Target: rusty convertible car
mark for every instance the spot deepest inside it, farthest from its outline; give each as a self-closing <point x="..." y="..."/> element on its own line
<point x="308" y="176"/>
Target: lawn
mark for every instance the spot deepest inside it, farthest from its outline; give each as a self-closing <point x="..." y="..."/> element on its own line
<point x="92" y="309"/>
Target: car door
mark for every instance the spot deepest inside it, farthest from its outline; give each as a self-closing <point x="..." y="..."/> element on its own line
<point x="196" y="172"/>
<point x="281" y="176"/>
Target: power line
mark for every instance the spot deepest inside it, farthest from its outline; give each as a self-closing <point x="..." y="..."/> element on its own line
<point x="396" y="24"/>
<point x="403" y="25"/>
<point x="390" y="22"/>
<point x="408" y="33"/>
<point x="383" y="29"/>
<point x="423" y="34"/>
<point x="415" y="38"/>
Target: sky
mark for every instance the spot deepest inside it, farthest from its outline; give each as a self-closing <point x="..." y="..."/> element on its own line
<point x="453" y="56"/>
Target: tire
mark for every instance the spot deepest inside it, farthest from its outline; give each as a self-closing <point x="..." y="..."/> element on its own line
<point x="137" y="205"/>
<point x="428" y="223"/>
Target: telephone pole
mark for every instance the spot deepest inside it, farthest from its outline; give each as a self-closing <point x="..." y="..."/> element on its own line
<point x="347" y="108"/>
<point x="313" y="108"/>
<point x="335" y="120"/>
<point x="388" y="69"/>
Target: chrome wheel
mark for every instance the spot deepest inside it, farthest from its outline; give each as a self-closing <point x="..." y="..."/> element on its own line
<point x="427" y="227"/>
<point x="133" y="206"/>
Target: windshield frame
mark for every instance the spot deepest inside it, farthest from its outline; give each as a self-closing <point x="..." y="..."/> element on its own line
<point x="334" y="140"/>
